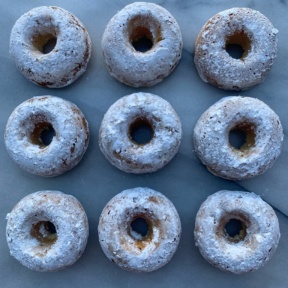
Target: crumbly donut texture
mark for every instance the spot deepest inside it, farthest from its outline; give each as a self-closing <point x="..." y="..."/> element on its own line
<point x="129" y="249"/>
<point x="264" y="136"/>
<point x="35" y="247"/>
<point x="32" y="117"/>
<point x="69" y="58"/>
<point x="242" y="26"/>
<point x="261" y="231"/>
<point x="129" y="156"/>
<point x="137" y="20"/>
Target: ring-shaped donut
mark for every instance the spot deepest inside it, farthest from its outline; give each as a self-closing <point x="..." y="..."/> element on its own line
<point x="69" y="58"/>
<point x="156" y="28"/>
<point x="47" y="231"/>
<point x="245" y="250"/>
<point x="130" y="249"/>
<point x="256" y="120"/>
<point x="117" y="144"/>
<point x="46" y="114"/>
<point x="246" y="28"/>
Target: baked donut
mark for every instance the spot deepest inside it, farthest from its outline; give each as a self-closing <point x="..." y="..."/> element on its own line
<point x="142" y="44"/>
<point x="254" y="239"/>
<point x="128" y="247"/>
<point x="243" y="28"/>
<point x="262" y="130"/>
<point x="38" y="30"/>
<point x="47" y="231"/>
<point x="46" y="135"/>
<point x="140" y="111"/>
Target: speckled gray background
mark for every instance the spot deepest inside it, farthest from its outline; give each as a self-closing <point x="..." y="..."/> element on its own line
<point x="184" y="181"/>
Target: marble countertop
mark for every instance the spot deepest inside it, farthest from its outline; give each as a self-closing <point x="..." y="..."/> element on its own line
<point x="185" y="181"/>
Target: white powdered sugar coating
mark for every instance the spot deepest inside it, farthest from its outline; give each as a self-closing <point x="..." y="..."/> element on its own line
<point x="71" y="224"/>
<point x="127" y="248"/>
<point x="69" y="58"/>
<point x="262" y="231"/>
<point x="22" y="135"/>
<point x="211" y="137"/>
<point x="129" y="156"/>
<point x="136" y="68"/>
<point x="213" y="62"/>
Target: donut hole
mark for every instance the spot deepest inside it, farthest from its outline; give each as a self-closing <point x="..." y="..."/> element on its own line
<point x="142" y="39"/>
<point x="44" y="43"/>
<point x="235" y="230"/>
<point x="242" y="136"/>
<point x="233" y="227"/>
<point x="49" y="46"/>
<point x="45" y="232"/>
<point x="42" y="134"/>
<point x="143" y="33"/>
<point x="139" y="226"/>
<point x="140" y="229"/>
<point x="141" y="131"/>
<point x="238" y="45"/>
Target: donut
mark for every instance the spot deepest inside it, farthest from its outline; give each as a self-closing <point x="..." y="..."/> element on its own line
<point x="128" y="247"/>
<point x="236" y="231"/>
<point x="142" y="44"/>
<point x="140" y="111"/>
<point x="245" y="29"/>
<point x="258" y="123"/>
<point x="46" y="135"/>
<point x="33" y="36"/>
<point x="47" y="231"/>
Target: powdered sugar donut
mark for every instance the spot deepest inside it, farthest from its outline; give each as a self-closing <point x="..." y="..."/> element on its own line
<point x="129" y="248"/>
<point x="50" y="25"/>
<point x="124" y="117"/>
<point x="28" y="125"/>
<point x="142" y="44"/>
<point x="47" y="231"/>
<point x="259" y="124"/>
<point x="247" y="28"/>
<point x="250" y="245"/>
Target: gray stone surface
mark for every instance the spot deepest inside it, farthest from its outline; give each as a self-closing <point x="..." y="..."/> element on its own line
<point x="184" y="180"/>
